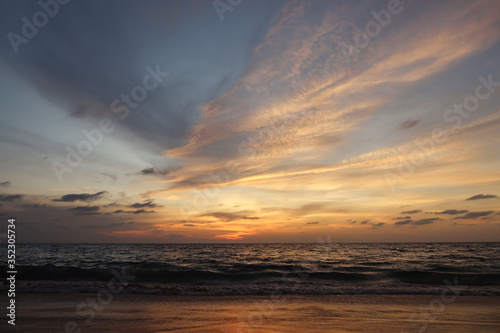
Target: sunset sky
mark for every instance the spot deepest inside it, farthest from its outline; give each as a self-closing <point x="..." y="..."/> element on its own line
<point x="251" y="121"/>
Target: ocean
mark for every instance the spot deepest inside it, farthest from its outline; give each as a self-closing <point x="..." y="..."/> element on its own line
<point x="261" y="269"/>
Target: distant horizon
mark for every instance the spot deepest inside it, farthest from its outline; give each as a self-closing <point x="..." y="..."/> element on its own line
<point x="323" y="244"/>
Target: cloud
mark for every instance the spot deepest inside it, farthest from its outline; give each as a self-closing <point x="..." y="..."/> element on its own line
<point x="312" y="222"/>
<point x="153" y="171"/>
<point x="364" y="222"/>
<point x="425" y="221"/>
<point x="85" y="210"/>
<point x="452" y="212"/>
<point x="149" y="204"/>
<point x="5" y="184"/>
<point x="474" y="215"/>
<point x="402" y="218"/>
<point x="143" y="211"/>
<point x="86" y="197"/>
<point x="138" y="211"/>
<point x="403" y="222"/>
<point x="408" y="123"/>
<point x="481" y="196"/>
<point x="12" y="197"/>
<point x="251" y="217"/>
<point x="412" y="211"/>
<point x="189" y="225"/>
<point x="378" y="225"/>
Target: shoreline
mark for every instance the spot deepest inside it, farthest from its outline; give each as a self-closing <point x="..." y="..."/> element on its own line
<point x="75" y="312"/>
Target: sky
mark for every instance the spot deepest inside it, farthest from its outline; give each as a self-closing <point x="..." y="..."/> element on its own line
<point x="250" y="121"/>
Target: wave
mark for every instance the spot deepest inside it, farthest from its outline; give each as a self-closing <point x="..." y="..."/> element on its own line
<point x="168" y="274"/>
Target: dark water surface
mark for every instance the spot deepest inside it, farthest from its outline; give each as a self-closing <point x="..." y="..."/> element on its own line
<point x="259" y="269"/>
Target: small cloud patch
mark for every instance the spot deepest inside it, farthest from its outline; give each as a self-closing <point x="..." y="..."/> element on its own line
<point x="481" y="196"/>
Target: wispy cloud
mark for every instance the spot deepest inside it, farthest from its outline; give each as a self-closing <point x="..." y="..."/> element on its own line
<point x="416" y="211"/>
<point x="408" y="123"/>
<point x="149" y="204"/>
<point x="403" y="222"/>
<point x="482" y="196"/>
<point x="11" y="197"/>
<point x="425" y="221"/>
<point x="86" y="197"/>
<point x="452" y="212"/>
<point x="474" y="215"/>
<point x="85" y="210"/>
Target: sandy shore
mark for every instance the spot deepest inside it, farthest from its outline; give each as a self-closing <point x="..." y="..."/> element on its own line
<point x="364" y="313"/>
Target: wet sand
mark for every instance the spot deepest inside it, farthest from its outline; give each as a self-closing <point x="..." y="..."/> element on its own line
<point x="291" y="313"/>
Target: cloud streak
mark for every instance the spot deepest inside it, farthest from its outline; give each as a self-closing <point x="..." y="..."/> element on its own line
<point x="481" y="196"/>
<point x="11" y="197"/>
<point x="85" y="197"/>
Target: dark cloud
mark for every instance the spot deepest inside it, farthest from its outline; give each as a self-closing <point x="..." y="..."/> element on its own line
<point x="364" y="222"/>
<point x="153" y="171"/>
<point x="189" y="225"/>
<point x="408" y="123"/>
<point x="251" y="218"/>
<point x="138" y="211"/>
<point x="143" y="211"/>
<point x="149" y="204"/>
<point x="402" y="218"/>
<point x="85" y="210"/>
<point x="353" y="221"/>
<point x="12" y="197"/>
<point x="312" y="222"/>
<point x="148" y="171"/>
<point x="378" y="225"/>
<point x="452" y="212"/>
<point x="482" y="196"/>
<point x="425" y="221"/>
<point x="66" y="50"/>
<point x="5" y="184"/>
<point x="474" y="215"/>
<point x="415" y="211"/>
<point x="403" y="222"/>
<point x="86" y="197"/>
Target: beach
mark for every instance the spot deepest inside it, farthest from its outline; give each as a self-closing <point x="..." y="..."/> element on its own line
<point x="51" y="312"/>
